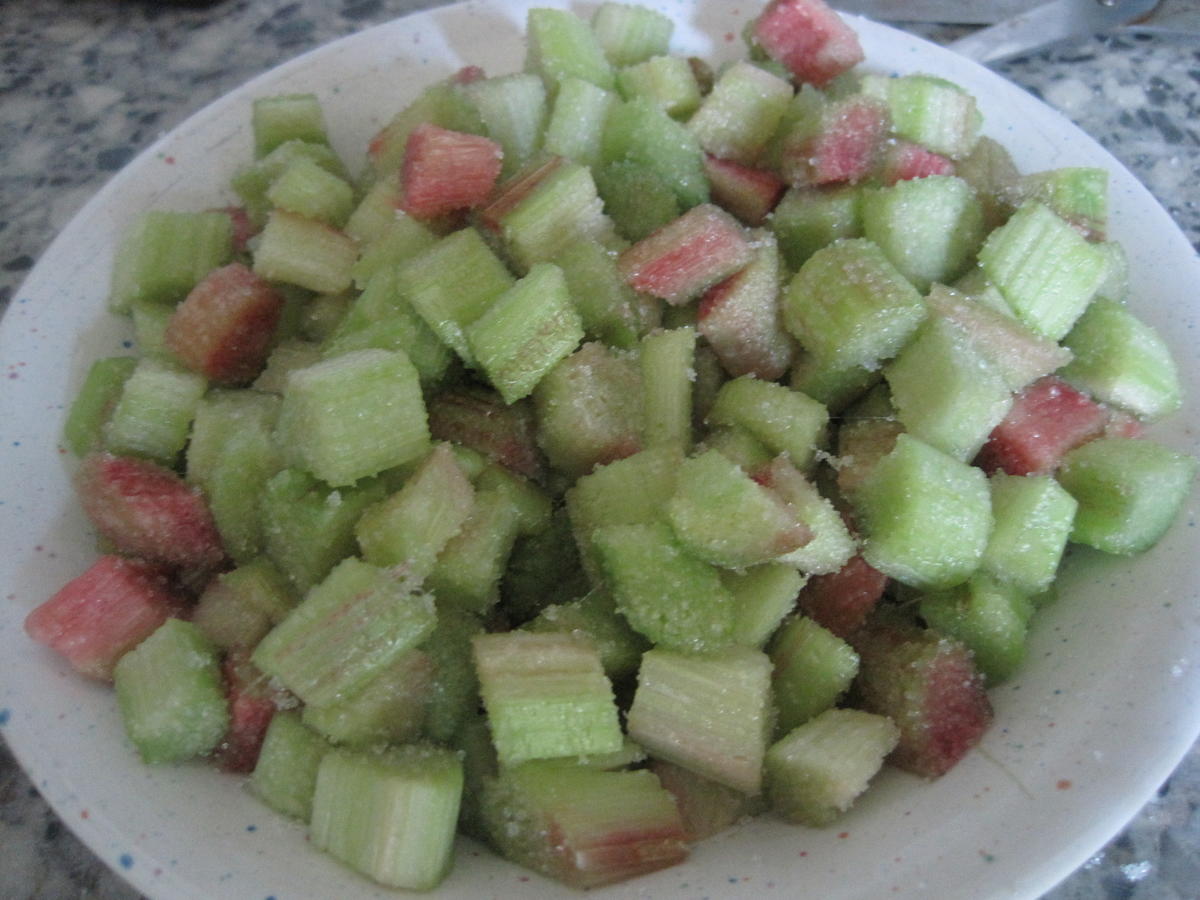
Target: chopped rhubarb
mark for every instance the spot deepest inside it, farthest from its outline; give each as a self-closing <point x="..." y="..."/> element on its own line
<point x="841" y="601"/>
<point x="252" y="704"/>
<point x="809" y="38"/>
<point x="515" y="189"/>
<point x="148" y="511"/>
<point x="225" y="326"/>
<point x="904" y="160"/>
<point x="243" y="227"/>
<point x="107" y="611"/>
<point x="748" y="193"/>
<point x="1047" y="419"/>
<point x="687" y="255"/>
<point x="445" y="171"/>
<point x="481" y="420"/>
<point x="928" y="685"/>
<point x="844" y="148"/>
<point x="468" y="74"/>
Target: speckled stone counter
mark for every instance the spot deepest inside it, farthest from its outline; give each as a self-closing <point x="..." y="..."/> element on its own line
<point x="86" y="84"/>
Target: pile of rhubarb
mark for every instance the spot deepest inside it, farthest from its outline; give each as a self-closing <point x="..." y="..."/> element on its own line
<point x="630" y="448"/>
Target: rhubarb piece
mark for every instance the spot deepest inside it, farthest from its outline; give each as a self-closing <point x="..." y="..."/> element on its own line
<point x="1046" y="271"/>
<point x="848" y="305"/>
<point x="929" y="227"/>
<point x="831" y="544"/>
<point x="637" y="199"/>
<point x="348" y="629"/>
<point x="164" y="254"/>
<point x="667" y="374"/>
<point x="286" y="117"/>
<point x="92" y="406"/>
<point x="251" y="183"/>
<point x="705" y="807"/>
<point x="946" y="392"/>
<point x="990" y="170"/>
<point x="833" y="386"/>
<point x="525" y="332"/>
<point x="763" y="596"/>
<point x="1047" y="419"/>
<point x="240" y="606"/>
<point x="543" y="569"/>
<point x="710" y="714"/>
<point x="148" y="511"/>
<point x="807" y="219"/>
<point x="638" y="131"/>
<point x="452" y="283"/>
<point x="252" y="704"/>
<point x="388" y="236"/>
<point x="712" y="491"/>
<point x="841" y="601"/>
<point x="99" y="616"/>
<point x="389" y="709"/>
<point x="480" y="420"/>
<point x="353" y="416"/>
<point x="629" y="491"/>
<point x="786" y="421"/>
<point x="687" y="256"/>
<point x="308" y="189"/>
<point x="1018" y="355"/>
<point x="155" y="409"/>
<point x="750" y="194"/>
<point x="741" y="113"/>
<point x="453" y="697"/>
<point x="819" y="769"/>
<point x="308" y="527"/>
<point x="928" y="686"/>
<point x="445" y="171"/>
<point x="581" y="826"/>
<point x="285" y="774"/>
<point x="930" y="111"/>
<point x="413" y="526"/>
<point x="631" y="34"/>
<point x="672" y="598"/>
<point x="809" y="38"/>
<point x="925" y="516"/>
<point x="989" y="617"/>
<point x="589" y="410"/>
<point x="1078" y="195"/>
<point x="1034" y="515"/>
<point x="224" y="327"/>
<point x="546" y="696"/>
<point x="306" y="253"/>
<point x="609" y="309"/>
<point x="1121" y="360"/>
<point x="594" y="617"/>
<point x="739" y="445"/>
<point x="831" y="141"/>
<point x="868" y="434"/>
<point x="365" y="805"/>
<point x="170" y="696"/>
<point x="445" y="104"/>
<point x="576" y="125"/>
<point x="468" y="571"/>
<point x="812" y="669"/>
<point x="513" y="110"/>
<point x="904" y="160"/>
<point x="221" y="417"/>
<point x="667" y="81"/>
<point x="560" y="45"/>
<point x="1129" y="492"/>
<point x="740" y="317"/>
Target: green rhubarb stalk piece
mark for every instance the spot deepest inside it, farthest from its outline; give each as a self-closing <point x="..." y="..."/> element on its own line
<point x="785" y="421"/>
<point x="667" y="375"/>
<point x="813" y="668"/>
<point x="595" y="618"/>
<point x="389" y="709"/>
<point x="514" y="111"/>
<point x="84" y="428"/>
<point x="831" y="545"/>
<point x="560" y="45"/>
<point x="306" y="253"/>
<point x="285" y="775"/>
<point x="668" y="81"/>
<point x="631" y="34"/>
<point x="154" y="412"/>
<point x="546" y="696"/>
<point x="240" y="606"/>
<point x="468" y="570"/>
<point x="281" y="118"/>
<point x="1034" y="516"/>
<point x="763" y="596"/>
<point x="710" y="714"/>
<point x="163" y="255"/>
<point x="741" y="113"/>
<point x="989" y="617"/>
<point x="576" y="122"/>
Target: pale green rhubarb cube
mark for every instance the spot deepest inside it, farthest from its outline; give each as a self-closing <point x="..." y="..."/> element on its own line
<point x="389" y="709"/>
<point x="710" y="714"/>
<point x="925" y="516"/>
<point x="812" y="668"/>
<point x="285" y="775"/>
<point x="546" y="696"/>
<point x="666" y="80"/>
<point x="741" y="113"/>
<point x="281" y="118"/>
<point x="525" y="332"/>
<point x="784" y="420"/>
<point x="306" y="253"/>
<point x="763" y="596"/>
<point x="514" y="110"/>
<point x="1034" y="516"/>
<point x="390" y="815"/>
<point x="163" y="255"/>
<point x="353" y="416"/>
<point x="989" y="617"/>
<point x="816" y="772"/>
<point x="561" y="45"/>
<point x="631" y="34"/>
<point x="156" y="407"/>
<point x="667" y="360"/>
<point x="577" y="121"/>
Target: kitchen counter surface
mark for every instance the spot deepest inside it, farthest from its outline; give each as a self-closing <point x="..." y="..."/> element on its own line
<point x="86" y="84"/>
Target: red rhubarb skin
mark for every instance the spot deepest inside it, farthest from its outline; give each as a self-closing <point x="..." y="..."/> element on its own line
<point x="483" y="422"/>
<point x="842" y="601"/>
<point x="252" y="705"/>
<point x="148" y="511"/>
<point x="224" y="328"/>
<point x="906" y="161"/>
<point x="746" y="192"/>
<point x="445" y="171"/>
<point x="98" y="617"/>
<point x="1047" y="419"/>
<point x="618" y="855"/>
<point x="809" y="38"/>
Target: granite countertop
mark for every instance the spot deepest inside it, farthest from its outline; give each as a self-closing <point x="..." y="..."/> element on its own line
<point x="86" y="84"/>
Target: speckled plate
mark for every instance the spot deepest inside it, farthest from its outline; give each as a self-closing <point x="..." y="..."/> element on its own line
<point x="1105" y="707"/>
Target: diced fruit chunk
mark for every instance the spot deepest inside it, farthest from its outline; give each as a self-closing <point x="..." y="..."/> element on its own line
<point x="1034" y="516"/>
<point x="809" y="38"/>
<point x="841" y="601"/>
<point x="812" y="669"/>
<point x="446" y="171"/>
<point x="285" y="774"/>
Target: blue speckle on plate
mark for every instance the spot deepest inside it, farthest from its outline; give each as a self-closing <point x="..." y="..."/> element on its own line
<point x="252" y="828"/>
<point x="5" y="715"/>
<point x="126" y="861"/>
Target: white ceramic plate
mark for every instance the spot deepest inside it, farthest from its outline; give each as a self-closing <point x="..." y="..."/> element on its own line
<point x="1106" y="706"/>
